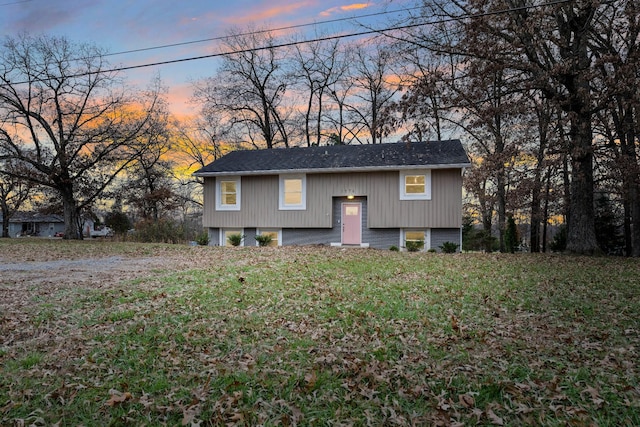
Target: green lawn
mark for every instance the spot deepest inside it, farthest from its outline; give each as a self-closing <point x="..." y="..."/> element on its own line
<point x="318" y="336"/>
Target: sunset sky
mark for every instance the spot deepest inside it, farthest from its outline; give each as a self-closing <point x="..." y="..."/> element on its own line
<point x="124" y="25"/>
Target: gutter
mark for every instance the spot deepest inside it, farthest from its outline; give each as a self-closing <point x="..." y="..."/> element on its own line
<point x="333" y="170"/>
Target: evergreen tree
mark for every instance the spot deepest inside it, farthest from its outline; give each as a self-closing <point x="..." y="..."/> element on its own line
<point x="118" y="222"/>
<point x="511" y="235"/>
<point x="608" y="226"/>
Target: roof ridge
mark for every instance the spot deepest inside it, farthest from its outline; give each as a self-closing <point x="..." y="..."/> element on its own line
<point x="362" y="156"/>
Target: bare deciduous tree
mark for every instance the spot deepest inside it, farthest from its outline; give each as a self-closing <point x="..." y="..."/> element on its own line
<point x="149" y="186"/>
<point x="14" y="192"/>
<point x="67" y="120"/>
<point x="319" y="66"/>
<point x="616" y="47"/>
<point x="249" y="88"/>
<point x="374" y="86"/>
<point x="549" y="45"/>
<point x="196" y="143"/>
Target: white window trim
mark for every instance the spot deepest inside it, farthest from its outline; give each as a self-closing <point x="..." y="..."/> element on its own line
<point x="427" y="185"/>
<point x="270" y="230"/>
<point x="299" y="207"/>
<point x="219" y="205"/>
<point x="427" y="237"/>
<point x="223" y="240"/>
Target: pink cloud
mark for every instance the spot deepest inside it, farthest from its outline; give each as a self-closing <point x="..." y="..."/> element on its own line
<point x="269" y="13"/>
<point x="345" y="8"/>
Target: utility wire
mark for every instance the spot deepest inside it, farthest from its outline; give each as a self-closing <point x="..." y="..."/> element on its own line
<point x="302" y="42"/>
<point x="250" y="33"/>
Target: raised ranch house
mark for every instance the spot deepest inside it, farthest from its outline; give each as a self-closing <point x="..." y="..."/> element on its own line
<point x="343" y="195"/>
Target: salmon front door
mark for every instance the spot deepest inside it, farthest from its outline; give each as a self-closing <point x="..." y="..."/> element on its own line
<point x="351" y="223"/>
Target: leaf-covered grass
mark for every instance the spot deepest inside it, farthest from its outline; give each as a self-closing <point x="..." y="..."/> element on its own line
<point x="316" y="336"/>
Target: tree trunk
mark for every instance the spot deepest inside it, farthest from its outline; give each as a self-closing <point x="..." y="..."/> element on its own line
<point x="536" y="208"/>
<point x="566" y="187"/>
<point x="635" y="226"/>
<point x="319" y="118"/>
<point x="581" y="236"/>
<point x="72" y="225"/>
<point x="536" y="214"/>
<point x="501" y="176"/>
<point x="545" y="219"/>
<point x="502" y="209"/>
<point x="628" y="241"/>
<point x="632" y="209"/>
<point x="5" y="222"/>
<point x="307" y="118"/>
<point x="543" y="114"/>
<point x="486" y="212"/>
<point x="631" y="184"/>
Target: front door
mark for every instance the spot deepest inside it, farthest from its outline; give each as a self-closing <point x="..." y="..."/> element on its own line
<point x="351" y="223"/>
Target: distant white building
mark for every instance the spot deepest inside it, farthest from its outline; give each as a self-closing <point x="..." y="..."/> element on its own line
<point x="35" y="224"/>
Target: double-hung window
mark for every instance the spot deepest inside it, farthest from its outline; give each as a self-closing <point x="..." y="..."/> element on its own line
<point x="228" y="194"/>
<point x="415" y="185"/>
<point x="293" y="192"/>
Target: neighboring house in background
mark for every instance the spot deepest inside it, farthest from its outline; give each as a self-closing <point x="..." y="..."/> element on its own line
<point x="35" y="224"/>
<point x="342" y="195"/>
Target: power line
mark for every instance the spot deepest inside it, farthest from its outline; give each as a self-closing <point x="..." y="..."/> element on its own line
<point x="250" y="33"/>
<point x="169" y="45"/>
<point x="326" y="38"/>
<point x="295" y="43"/>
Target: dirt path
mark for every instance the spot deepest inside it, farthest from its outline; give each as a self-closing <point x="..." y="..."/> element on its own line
<point x="77" y="270"/>
<point x="42" y="275"/>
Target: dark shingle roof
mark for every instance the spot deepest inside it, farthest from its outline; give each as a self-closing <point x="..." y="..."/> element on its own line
<point x="340" y="157"/>
<point x="34" y="217"/>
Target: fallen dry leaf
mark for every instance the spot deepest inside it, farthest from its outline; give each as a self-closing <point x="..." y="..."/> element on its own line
<point x="64" y="315"/>
<point x="189" y="415"/>
<point x="467" y="400"/>
<point x="595" y="396"/>
<point x="455" y="324"/>
<point x="494" y="418"/>
<point x="118" y="397"/>
<point x="311" y="379"/>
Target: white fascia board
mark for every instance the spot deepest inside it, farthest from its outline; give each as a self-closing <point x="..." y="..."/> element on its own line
<point x="335" y="170"/>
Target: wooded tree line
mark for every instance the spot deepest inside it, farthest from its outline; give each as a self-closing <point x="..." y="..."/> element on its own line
<point x="549" y="92"/>
<point x="74" y="136"/>
<point x="544" y="95"/>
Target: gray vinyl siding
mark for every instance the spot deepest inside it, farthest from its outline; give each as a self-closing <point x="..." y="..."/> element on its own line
<point x="259" y="207"/>
<point x="310" y="236"/>
<point x="259" y="202"/>
<point x="381" y="238"/>
<point x="376" y="238"/>
<point x="439" y="236"/>
<point x="443" y="210"/>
